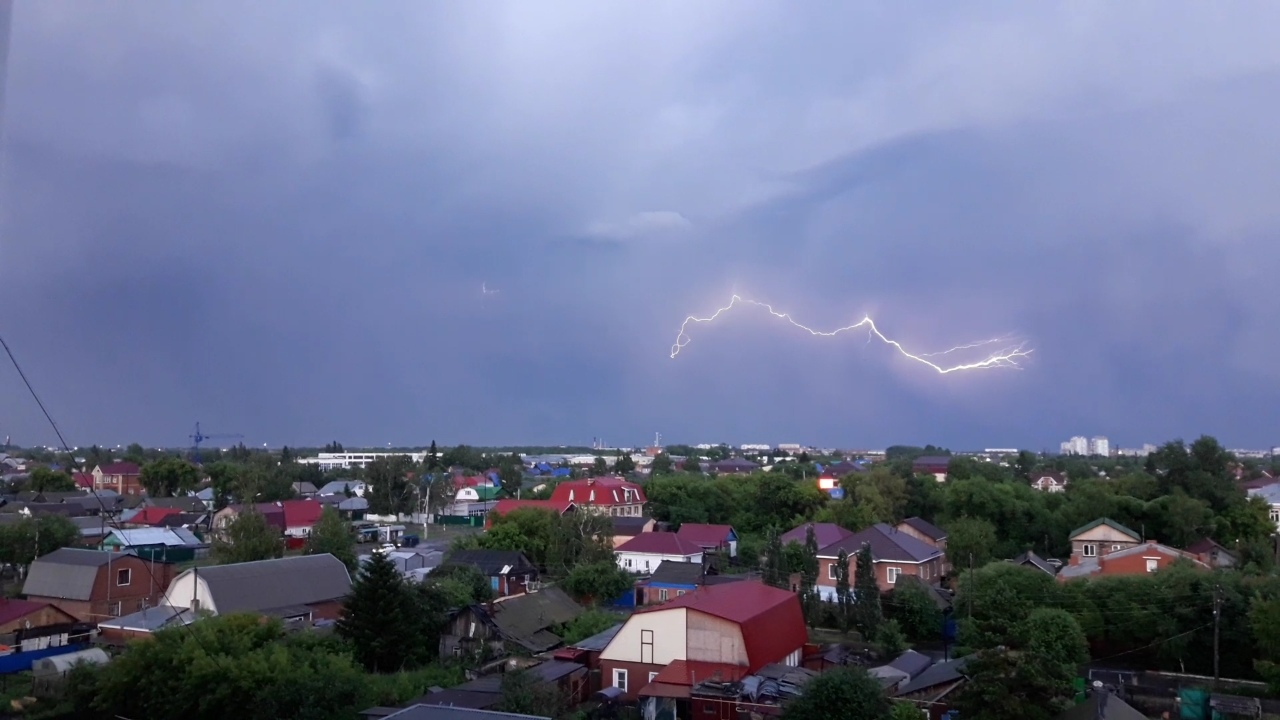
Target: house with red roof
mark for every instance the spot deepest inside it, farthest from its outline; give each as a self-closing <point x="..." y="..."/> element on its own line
<point x="121" y="477"/>
<point x="644" y="552"/>
<point x="711" y="538"/>
<point x="152" y="516"/>
<point x="22" y="614"/>
<point x="84" y="480"/>
<point x="507" y="505"/>
<point x="894" y="553"/>
<point x="725" y="631"/>
<point x="605" y="495"/>
<point x="294" y="518"/>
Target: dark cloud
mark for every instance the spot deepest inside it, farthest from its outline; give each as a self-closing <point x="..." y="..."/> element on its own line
<point x="278" y="219"/>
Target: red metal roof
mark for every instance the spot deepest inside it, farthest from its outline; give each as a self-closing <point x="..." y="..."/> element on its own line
<point x="598" y="491"/>
<point x="84" y="480"/>
<point x="153" y="515"/>
<point x="505" y="506"/>
<point x="705" y="535"/>
<point x="659" y="543"/>
<point x="119" y="468"/>
<point x="297" y="513"/>
<point x="771" y="621"/>
<point x="11" y="610"/>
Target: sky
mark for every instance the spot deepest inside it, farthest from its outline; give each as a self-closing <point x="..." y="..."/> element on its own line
<point x="277" y="219"/>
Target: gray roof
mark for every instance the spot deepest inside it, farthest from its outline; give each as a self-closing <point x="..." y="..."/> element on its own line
<point x="1104" y="706"/>
<point x="170" y="537"/>
<point x="492" y="562"/>
<point x="599" y="641"/>
<point x="939" y="674"/>
<point x="188" y="503"/>
<point x="1269" y="493"/>
<point x="447" y="712"/>
<point x="339" y="487"/>
<point x="67" y="573"/>
<point x="272" y="584"/>
<point x="678" y="573"/>
<point x="912" y="663"/>
<point x="92" y="525"/>
<point x="926" y="528"/>
<point x="151" y="619"/>
<point x="888" y="544"/>
<point x="527" y="619"/>
<point x="1035" y="561"/>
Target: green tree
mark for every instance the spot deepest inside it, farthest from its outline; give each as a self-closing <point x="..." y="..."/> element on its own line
<point x="591" y="622"/>
<point x="135" y="454"/>
<point x="1030" y="678"/>
<point x="866" y="597"/>
<point x="692" y="464"/>
<point x="511" y="475"/>
<point x="624" y="465"/>
<point x="970" y="539"/>
<point x="844" y="592"/>
<point x="904" y="710"/>
<point x="42" y="479"/>
<point x="521" y="693"/>
<point x="432" y="461"/>
<point x="844" y="693"/>
<point x="916" y="611"/>
<point x="994" y="600"/>
<point x="167" y="476"/>
<point x="29" y="538"/>
<point x="599" y="467"/>
<point x="661" y="465"/>
<point x="389" y="491"/>
<point x="248" y="537"/>
<point x="891" y="640"/>
<point x="598" y="582"/>
<point x="810" y="600"/>
<point x="331" y="534"/>
<point x="373" y="618"/>
<point x="775" y="569"/>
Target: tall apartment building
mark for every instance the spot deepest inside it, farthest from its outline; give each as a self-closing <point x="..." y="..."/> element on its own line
<point x="1078" y="445"/>
<point x="1100" y="446"/>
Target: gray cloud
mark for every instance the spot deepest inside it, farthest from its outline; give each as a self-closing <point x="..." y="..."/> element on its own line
<point x="277" y="218"/>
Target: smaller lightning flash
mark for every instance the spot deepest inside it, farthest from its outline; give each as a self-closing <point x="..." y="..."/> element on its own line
<point x="1006" y="357"/>
<point x="484" y="289"/>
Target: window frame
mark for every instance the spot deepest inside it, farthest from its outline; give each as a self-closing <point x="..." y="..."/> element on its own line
<point x="620" y="674"/>
<point x="127" y="574"/>
<point x="1089" y="550"/>
<point x="892" y="573"/>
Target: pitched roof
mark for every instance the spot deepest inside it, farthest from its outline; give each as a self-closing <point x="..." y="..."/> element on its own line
<point x="185" y="503"/>
<point x="83" y="479"/>
<point x="526" y="618"/>
<point x="888" y="544"/>
<point x="599" y="641"/>
<point x="1055" y="477"/>
<point x="939" y="674"/>
<point x="932" y="461"/>
<point x="825" y="533"/>
<point x="11" y="610"/>
<point x="1206" y="545"/>
<point x="507" y="505"/>
<point x="706" y="536"/>
<point x="423" y="711"/>
<point x="659" y="543"/>
<point x="119" y="468"/>
<point x="1093" y="565"/>
<point x="266" y="585"/>
<point x="67" y="573"/>
<point x="628" y="525"/>
<point x="142" y="537"/>
<point x="598" y="491"/>
<point x="732" y="465"/>
<point x="926" y="528"/>
<point x="1034" y="560"/>
<point x="1109" y="523"/>
<point x="771" y="621"/>
<point x="491" y="562"/>
<point x="152" y="515"/>
<point x="678" y="573"/>
<point x="339" y="487"/>
<point x="297" y="513"/>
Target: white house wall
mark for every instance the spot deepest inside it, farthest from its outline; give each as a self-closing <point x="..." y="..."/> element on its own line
<point x="713" y="639"/>
<point x="648" y="562"/>
<point x="184" y="590"/>
<point x="669" y="638"/>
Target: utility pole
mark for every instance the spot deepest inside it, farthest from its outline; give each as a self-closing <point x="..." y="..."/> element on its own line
<point x="1217" y="621"/>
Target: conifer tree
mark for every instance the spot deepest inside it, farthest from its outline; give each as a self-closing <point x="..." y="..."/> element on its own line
<point x="844" y="594"/>
<point x="866" y="600"/>
<point x="374" y="614"/>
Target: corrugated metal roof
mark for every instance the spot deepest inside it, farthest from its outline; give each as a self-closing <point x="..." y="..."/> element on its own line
<point x="67" y="573"/>
<point x="267" y="584"/>
<point x="142" y="537"/>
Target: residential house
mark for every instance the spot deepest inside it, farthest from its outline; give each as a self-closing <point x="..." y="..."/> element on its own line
<point x="605" y="495"/>
<point x="926" y="532"/>
<point x="507" y="505"/>
<point x="343" y="487"/>
<point x="733" y="466"/>
<point x="1032" y="560"/>
<point x="711" y="538"/>
<point x="93" y="529"/>
<point x="526" y="623"/>
<point x="148" y="516"/>
<point x="1212" y="554"/>
<point x="94" y="584"/>
<point x="171" y="544"/>
<point x="729" y="630"/>
<point x="943" y="598"/>
<point x="901" y="670"/>
<point x="824" y="533"/>
<point x="305" y="489"/>
<point x="933" y="689"/>
<point x="299" y="587"/>
<point x="48" y="496"/>
<point x="119" y="631"/>
<point x="1270" y="494"/>
<point x="472" y="500"/>
<point x="893" y="553"/>
<point x="1044" y="481"/>
<point x="33" y="509"/>
<point x="626" y="527"/>
<point x="25" y="614"/>
<point x="84" y="480"/>
<point x="935" y="465"/>
<point x="182" y="503"/>
<point x="1101" y="537"/>
<point x="410" y="563"/>
<point x="1136" y="560"/>
<point x="829" y="483"/>
<point x="509" y="571"/>
<point x="673" y="579"/>
<point x="587" y="653"/>
<point x="643" y="553"/>
<point x="295" y="518"/>
<point x="121" y="477"/>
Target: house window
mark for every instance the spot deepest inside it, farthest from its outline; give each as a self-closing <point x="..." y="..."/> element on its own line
<point x="1275" y="514"/>
<point x="620" y="679"/>
<point x="1089" y="550"/>
<point x="1115" y="548"/>
<point x="893" y="574"/>
<point x="123" y="576"/>
<point x="646" y="646"/>
<point x="662" y="594"/>
<point x="679" y="593"/>
<point x="831" y="571"/>
<point x="1152" y="564"/>
<point x="114" y="609"/>
<point x="628" y="562"/>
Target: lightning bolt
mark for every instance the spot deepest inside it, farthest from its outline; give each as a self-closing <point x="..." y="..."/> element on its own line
<point x="1007" y="357"/>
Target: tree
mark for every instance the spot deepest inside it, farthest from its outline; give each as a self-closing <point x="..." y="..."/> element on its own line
<point x="904" y="710"/>
<point x="598" y="582"/>
<point x="866" y="597"/>
<point x="970" y="538"/>
<point x="29" y="538"/>
<point x="248" y="537"/>
<point x="521" y="693"/>
<point x="775" y="570"/>
<point x="624" y="464"/>
<point x="592" y="622"/>
<point x="511" y="475"/>
<point x="662" y="465"/>
<point x="42" y="479"/>
<point x="432" y="460"/>
<point x="332" y="535"/>
<point x="891" y="640"/>
<point x="844" y="593"/>
<point x="460" y="585"/>
<point x="599" y="467"/>
<point x="996" y="598"/>
<point x="845" y="693"/>
<point x="1032" y="677"/>
<point x="916" y="611"/>
<point x="166" y="476"/>
<point x="135" y="454"/>
<point x="389" y="492"/>
<point x="373" y="618"/>
<point x="692" y="464"/>
<point x="810" y="600"/>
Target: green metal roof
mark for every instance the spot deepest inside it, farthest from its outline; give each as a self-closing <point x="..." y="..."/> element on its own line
<point x="1109" y="523"/>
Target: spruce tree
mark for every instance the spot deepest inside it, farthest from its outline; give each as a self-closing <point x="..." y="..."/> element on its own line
<point x="866" y="607"/>
<point x="374" y="614"/>
<point x="844" y="595"/>
<point x="774" y="572"/>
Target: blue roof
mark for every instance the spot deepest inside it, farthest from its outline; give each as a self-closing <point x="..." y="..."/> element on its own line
<point x="562" y="472"/>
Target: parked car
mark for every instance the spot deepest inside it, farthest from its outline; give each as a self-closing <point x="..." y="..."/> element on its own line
<point x="409" y="541"/>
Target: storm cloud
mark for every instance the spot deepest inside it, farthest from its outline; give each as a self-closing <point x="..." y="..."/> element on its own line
<point x="277" y="219"/>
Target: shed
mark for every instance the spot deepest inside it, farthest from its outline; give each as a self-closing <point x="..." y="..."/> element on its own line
<point x="60" y="664"/>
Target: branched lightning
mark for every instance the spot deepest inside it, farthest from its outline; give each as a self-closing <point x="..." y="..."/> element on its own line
<point x="1007" y="357"/>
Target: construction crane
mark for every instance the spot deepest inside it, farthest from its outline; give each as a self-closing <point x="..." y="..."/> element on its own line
<point x="198" y="437"/>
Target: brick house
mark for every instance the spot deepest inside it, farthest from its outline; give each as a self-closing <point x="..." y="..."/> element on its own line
<point x="935" y="465"/>
<point x="508" y="571"/>
<point x="725" y="630"/>
<point x="605" y="495"/>
<point x="824" y="533"/>
<point x="711" y="538"/>
<point x="626" y="527"/>
<point x="1141" y="559"/>
<point x="893" y="553"/>
<point x="1101" y="537"/>
<point x="91" y="585"/>
<point x="123" y="478"/>
<point x="928" y="533"/>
